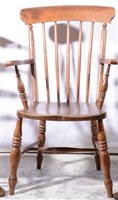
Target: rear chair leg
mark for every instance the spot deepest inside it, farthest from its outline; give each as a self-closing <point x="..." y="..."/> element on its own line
<point x="15" y="156"/>
<point x="104" y="158"/>
<point x="94" y="130"/>
<point x="41" y="139"/>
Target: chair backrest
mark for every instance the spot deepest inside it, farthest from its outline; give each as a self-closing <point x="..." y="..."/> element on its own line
<point x="80" y="15"/>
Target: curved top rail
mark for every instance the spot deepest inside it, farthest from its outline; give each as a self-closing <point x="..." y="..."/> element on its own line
<point x="67" y="13"/>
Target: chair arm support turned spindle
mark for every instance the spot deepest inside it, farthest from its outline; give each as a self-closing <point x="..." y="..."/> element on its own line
<point x="21" y="88"/>
<point x="103" y="88"/>
<point x="20" y="85"/>
<point x="104" y="85"/>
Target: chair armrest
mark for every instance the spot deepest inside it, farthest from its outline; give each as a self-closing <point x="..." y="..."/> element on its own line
<point x="109" y="61"/>
<point x="18" y="62"/>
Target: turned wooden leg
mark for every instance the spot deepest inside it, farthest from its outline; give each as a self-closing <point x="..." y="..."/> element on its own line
<point x="2" y="192"/>
<point x="41" y="139"/>
<point x="104" y="158"/>
<point x="15" y="156"/>
<point x="94" y="130"/>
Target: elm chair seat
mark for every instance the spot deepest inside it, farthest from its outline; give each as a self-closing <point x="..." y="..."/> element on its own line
<point x="63" y="112"/>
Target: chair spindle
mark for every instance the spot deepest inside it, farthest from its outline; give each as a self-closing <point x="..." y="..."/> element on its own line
<point x="57" y="62"/>
<point x="79" y="63"/>
<point x="68" y="64"/>
<point x="45" y="62"/>
<point x="89" y="62"/>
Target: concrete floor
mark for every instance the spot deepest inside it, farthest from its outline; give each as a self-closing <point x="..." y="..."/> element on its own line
<point x="61" y="177"/>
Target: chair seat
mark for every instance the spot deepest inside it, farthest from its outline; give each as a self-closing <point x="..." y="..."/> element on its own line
<point x="62" y="112"/>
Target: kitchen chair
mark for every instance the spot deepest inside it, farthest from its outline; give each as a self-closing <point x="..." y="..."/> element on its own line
<point x="89" y="108"/>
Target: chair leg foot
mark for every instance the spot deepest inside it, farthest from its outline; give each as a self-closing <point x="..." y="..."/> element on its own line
<point x="41" y="139"/>
<point x="12" y="184"/>
<point x="105" y="159"/>
<point x="39" y="160"/>
<point x="108" y="185"/>
<point x="15" y="156"/>
<point x="94" y="130"/>
<point x="97" y="161"/>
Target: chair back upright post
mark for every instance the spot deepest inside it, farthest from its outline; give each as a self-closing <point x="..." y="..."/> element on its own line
<point x="101" y="96"/>
<point x="35" y="97"/>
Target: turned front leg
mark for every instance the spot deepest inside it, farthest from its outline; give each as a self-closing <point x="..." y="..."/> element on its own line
<point x="94" y="130"/>
<point x="15" y="156"/>
<point x="41" y="141"/>
<point x="104" y="159"/>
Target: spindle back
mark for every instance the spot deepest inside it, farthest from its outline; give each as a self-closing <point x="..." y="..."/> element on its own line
<point x="65" y="14"/>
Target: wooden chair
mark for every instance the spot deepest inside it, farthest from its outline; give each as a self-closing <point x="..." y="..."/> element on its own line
<point x="67" y="110"/>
